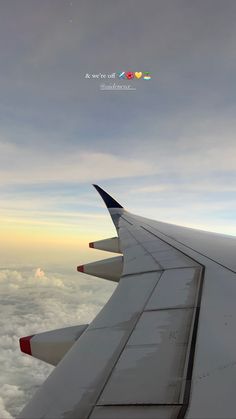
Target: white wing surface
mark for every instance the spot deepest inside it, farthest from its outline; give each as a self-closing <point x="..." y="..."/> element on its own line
<point x="164" y="345"/>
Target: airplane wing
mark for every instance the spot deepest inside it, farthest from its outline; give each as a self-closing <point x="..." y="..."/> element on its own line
<point x="163" y="346"/>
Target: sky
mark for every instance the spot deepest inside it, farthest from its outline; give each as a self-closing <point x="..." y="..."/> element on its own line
<point x="164" y="149"/>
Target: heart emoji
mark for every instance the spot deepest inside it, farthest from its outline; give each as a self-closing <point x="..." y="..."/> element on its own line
<point x="138" y="74"/>
<point x="129" y="75"/>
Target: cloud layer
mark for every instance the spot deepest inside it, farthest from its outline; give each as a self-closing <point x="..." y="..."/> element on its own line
<point x="34" y="301"/>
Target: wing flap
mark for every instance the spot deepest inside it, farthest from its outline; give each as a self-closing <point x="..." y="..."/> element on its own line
<point x="127" y="302"/>
<point x="177" y="288"/>
<point x="152" y="369"/>
<point x="135" y="412"/>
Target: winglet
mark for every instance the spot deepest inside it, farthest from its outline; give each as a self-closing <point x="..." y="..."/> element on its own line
<point x="109" y="201"/>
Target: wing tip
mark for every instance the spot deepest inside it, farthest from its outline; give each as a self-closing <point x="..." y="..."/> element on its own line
<point x="109" y="201"/>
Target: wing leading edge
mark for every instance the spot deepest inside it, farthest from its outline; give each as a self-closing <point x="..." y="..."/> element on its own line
<point x="163" y="346"/>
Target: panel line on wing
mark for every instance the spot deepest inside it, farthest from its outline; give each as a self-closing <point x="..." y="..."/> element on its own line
<point x="140" y="404"/>
<point x="143" y="247"/>
<point x="123" y="218"/>
<point x="188" y="247"/>
<point x="168" y="308"/>
<point x="144" y="272"/>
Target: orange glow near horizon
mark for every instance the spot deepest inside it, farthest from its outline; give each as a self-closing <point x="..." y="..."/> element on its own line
<point x="38" y="241"/>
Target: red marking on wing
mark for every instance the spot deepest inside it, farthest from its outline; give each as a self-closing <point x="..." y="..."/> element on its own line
<point x="25" y="344"/>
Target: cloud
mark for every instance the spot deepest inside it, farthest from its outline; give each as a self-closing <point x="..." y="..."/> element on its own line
<point x="37" y="166"/>
<point x="151" y="189"/>
<point x="10" y="393"/>
<point x="189" y="153"/>
<point x="39" y="273"/>
<point x="184" y="186"/>
<point x="34" y="301"/>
